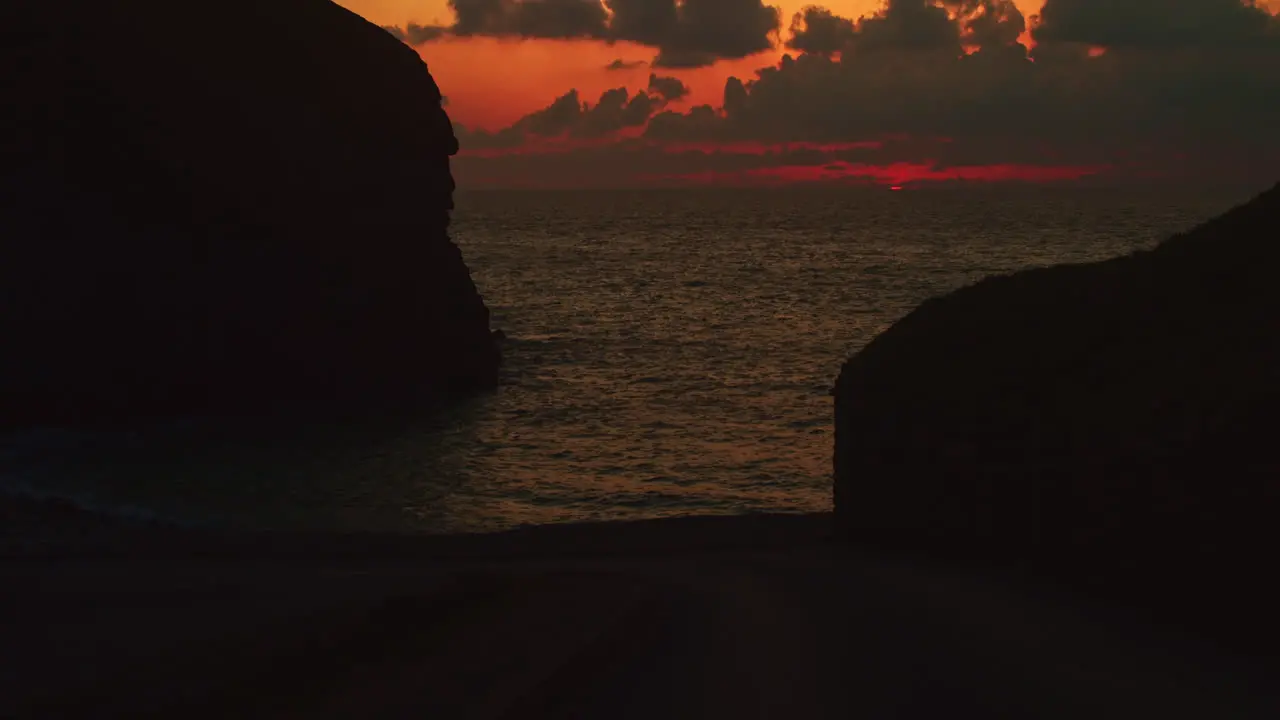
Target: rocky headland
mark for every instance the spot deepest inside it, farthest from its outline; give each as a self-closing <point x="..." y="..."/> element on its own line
<point x="1105" y="424"/>
<point x="243" y="209"/>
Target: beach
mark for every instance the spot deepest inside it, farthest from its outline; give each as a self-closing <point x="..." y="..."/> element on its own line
<point x="752" y="616"/>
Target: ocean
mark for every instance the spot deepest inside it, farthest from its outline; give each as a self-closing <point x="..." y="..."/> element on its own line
<point x="668" y="352"/>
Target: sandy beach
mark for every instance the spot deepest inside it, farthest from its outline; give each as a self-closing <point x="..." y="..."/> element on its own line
<point x="757" y="616"/>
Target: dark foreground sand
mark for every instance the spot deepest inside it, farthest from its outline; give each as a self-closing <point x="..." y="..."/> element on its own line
<point x="689" y="618"/>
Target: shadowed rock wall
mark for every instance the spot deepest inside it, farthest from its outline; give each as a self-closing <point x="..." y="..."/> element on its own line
<point x="235" y="207"/>
<point x="1109" y="421"/>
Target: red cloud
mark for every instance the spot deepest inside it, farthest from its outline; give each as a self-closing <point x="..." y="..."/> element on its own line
<point x="758" y="148"/>
<point x="895" y="174"/>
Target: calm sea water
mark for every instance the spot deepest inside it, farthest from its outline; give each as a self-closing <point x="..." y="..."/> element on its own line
<point x="669" y="353"/>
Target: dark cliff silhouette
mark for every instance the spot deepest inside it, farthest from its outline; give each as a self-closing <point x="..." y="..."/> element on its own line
<point x="1106" y="423"/>
<point x="241" y="209"/>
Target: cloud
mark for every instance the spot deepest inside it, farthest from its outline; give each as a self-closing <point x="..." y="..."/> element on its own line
<point x="668" y="88"/>
<point x="620" y="64"/>
<point x="694" y="33"/>
<point x="553" y="19"/>
<point x="905" y="70"/>
<point x="818" y="30"/>
<point x="1157" y="23"/>
<point x="686" y="34"/>
<point x="616" y="110"/>
<point x="943" y="26"/>
<point x="915" y="25"/>
<point x="1194" y="93"/>
<point x="415" y="34"/>
<point x="570" y="164"/>
<point x="897" y="174"/>
<point x="569" y="117"/>
<point x="992" y="23"/>
<point x="419" y="34"/>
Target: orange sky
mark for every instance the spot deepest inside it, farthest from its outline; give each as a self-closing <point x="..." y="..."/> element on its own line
<point x="491" y="83"/>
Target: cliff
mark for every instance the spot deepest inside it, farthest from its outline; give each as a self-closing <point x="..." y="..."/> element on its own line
<point x="243" y="209"/>
<point x="1103" y="422"/>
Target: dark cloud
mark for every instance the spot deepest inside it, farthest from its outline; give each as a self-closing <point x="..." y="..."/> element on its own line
<point x="1158" y="100"/>
<point x="688" y="33"/>
<point x="553" y="19"/>
<point x="416" y="34"/>
<point x="419" y="34"/>
<point x="616" y="110"/>
<point x="646" y="22"/>
<point x="818" y="30"/>
<point x="1168" y="23"/>
<point x="735" y="96"/>
<point x="558" y="117"/>
<point x="569" y="116"/>
<point x="907" y="73"/>
<point x="563" y="115"/>
<point x="991" y="23"/>
<point x="701" y="124"/>
<point x="944" y="26"/>
<point x="668" y="88"/>
<point x="916" y="25"/>
<point x="620" y="64"/>
<point x="694" y="33"/>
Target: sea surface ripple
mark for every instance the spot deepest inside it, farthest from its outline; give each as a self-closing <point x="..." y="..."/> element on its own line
<point x="667" y="353"/>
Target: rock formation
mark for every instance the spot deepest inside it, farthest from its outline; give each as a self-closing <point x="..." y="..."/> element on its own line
<point x="242" y="209"/>
<point x="1104" y="421"/>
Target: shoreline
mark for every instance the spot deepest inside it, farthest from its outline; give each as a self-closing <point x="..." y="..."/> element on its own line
<point x="51" y="533"/>
<point x="39" y="529"/>
<point x="674" y="617"/>
<point x="671" y="617"/>
<point x="1175" y="600"/>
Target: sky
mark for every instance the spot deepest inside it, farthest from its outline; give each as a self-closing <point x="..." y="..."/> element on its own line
<point x="592" y="93"/>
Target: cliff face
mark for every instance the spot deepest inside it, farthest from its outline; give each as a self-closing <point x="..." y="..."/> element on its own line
<point x="241" y="209"/>
<point x="1108" y="418"/>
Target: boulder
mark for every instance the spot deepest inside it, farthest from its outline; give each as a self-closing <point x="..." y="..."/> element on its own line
<point x="237" y="210"/>
<point x="1104" y="423"/>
